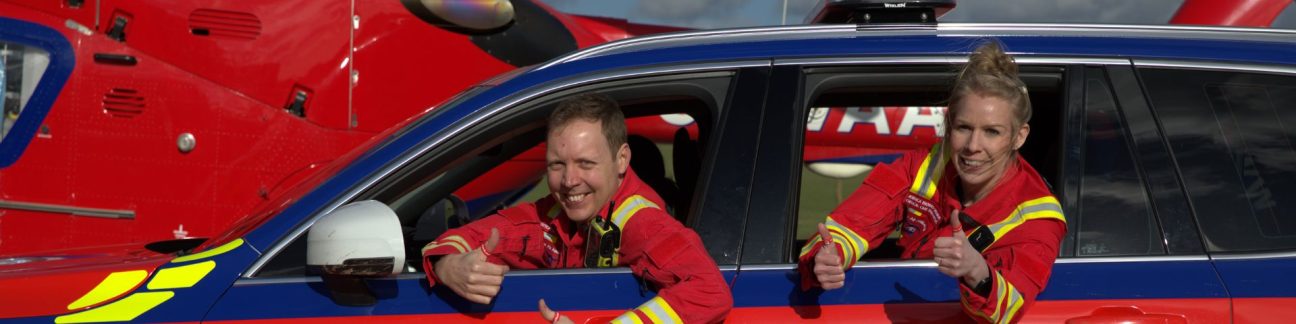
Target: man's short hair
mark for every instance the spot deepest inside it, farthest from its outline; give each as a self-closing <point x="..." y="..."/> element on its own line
<point x="592" y="107"/>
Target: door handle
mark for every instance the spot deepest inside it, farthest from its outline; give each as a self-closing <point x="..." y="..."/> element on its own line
<point x="1126" y="315"/>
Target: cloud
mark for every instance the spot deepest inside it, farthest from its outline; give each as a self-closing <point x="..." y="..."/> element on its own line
<point x="694" y="13"/>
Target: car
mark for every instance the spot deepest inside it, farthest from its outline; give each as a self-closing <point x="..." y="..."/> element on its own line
<point x="1170" y="148"/>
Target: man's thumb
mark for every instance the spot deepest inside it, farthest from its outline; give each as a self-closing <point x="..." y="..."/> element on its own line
<point x="492" y="241"/>
<point x="545" y="312"/>
<point x="824" y="234"/>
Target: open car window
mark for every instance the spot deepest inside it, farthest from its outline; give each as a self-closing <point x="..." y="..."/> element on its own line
<point x="501" y="163"/>
<point x="858" y="117"/>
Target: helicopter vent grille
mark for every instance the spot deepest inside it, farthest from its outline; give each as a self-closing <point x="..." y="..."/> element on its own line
<point x="124" y="103"/>
<point x="222" y="23"/>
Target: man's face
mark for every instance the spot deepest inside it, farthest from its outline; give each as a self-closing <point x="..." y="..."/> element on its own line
<point x="982" y="139"/>
<point x="583" y="172"/>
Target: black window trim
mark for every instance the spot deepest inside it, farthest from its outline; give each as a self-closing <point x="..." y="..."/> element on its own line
<point x="1170" y="202"/>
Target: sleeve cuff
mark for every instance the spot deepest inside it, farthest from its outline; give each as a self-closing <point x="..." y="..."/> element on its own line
<point x="655" y="310"/>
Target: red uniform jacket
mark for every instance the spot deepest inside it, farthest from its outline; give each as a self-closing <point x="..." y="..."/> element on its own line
<point x="655" y="246"/>
<point x="1017" y="226"/>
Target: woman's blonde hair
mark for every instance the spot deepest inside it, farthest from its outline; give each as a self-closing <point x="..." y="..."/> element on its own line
<point x="992" y="73"/>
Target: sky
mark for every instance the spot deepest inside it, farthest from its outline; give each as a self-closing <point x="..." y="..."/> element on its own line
<point x="745" y="13"/>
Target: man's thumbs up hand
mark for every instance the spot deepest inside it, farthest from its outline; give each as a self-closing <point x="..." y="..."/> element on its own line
<point x="828" y="263"/>
<point x="470" y="275"/>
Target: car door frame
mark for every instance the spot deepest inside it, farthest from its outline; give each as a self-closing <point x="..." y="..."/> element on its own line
<point x="767" y="283"/>
<point x="406" y="295"/>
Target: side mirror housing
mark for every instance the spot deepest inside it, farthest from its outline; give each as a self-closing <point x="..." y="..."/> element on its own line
<point x="361" y="239"/>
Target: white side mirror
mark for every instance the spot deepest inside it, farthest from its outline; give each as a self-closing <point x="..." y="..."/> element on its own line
<point x="362" y="238"/>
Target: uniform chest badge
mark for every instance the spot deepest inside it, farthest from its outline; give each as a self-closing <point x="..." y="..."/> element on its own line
<point x="921" y="215"/>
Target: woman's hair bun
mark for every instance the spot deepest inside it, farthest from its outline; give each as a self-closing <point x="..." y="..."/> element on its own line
<point x="990" y="59"/>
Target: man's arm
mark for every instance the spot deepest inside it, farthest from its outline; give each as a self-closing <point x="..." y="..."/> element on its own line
<point x="672" y="258"/>
<point x="458" y="260"/>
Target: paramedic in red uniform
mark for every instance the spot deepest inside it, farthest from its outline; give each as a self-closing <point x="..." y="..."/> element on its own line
<point x="971" y="202"/>
<point x="589" y="177"/>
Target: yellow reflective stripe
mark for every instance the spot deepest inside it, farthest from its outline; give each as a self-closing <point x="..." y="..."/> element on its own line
<point x="1001" y="294"/>
<point x="858" y="245"/>
<point x="1007" y="308"/>
<point x="929" y="173"/>
<point x="210" y="252"/>
<point x="435" y="245"/>
<point x="115" y="284"/>
<point x="628" y="208"/>
<point x="659" y="311"/>
<point x="1046" y="207"/>
<point x="122" y="310"/>
<point x="457" y="242"/>
<point x="973" y="310"/>
<point x="809" y="244"/>
<point x="181" y="277"/>
<point x="627" y="318"/>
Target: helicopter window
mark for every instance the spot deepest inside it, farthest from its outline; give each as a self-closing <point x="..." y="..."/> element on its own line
<point x="21" y="68"/>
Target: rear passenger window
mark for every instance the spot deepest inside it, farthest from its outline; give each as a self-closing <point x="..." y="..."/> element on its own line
<point x="1232" y="136"/>
<point x="1115" y="215"/>
<point x="859" y="117"/>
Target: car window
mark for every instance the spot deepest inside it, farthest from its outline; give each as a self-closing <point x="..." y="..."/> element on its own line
<point x="502" y="163"/>
<point x="1115" y="213"/>
<point x="863" y="116"/>
<point x="21" y="68"/>
<point x="1233" y="135"/>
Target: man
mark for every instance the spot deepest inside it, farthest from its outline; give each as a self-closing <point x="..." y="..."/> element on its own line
<point x="591" y="187"/>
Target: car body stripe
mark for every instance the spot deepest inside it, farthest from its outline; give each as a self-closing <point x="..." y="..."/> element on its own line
<point x="181" y="277"/>
<point x="210" y="252"/>
<point x="122" y="310"/>
<point x="115" y="284"/>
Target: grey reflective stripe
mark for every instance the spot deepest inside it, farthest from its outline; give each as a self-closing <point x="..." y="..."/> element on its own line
<point x="658" y="312"/>
<point x="628" y="208"/>
<point x="1018" y="217"/>
<point x="1006" y="314"/>
<point x="935" y="167"/>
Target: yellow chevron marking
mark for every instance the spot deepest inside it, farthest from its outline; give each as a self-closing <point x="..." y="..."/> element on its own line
<point x="115" y="284"/>
<point x="122" y="310"/>
<point x="181" y="277"/>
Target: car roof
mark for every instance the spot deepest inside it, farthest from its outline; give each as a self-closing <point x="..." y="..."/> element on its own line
<point x="1243" y="45"/>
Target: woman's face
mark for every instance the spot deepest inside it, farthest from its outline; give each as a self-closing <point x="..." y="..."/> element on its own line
<point x="982" y="140"/>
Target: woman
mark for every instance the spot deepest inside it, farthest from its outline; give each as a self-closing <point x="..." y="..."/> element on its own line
<point x="971" y="202"/>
